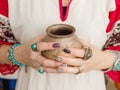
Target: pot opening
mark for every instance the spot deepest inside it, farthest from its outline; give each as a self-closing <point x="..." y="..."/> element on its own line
<point x="60" y="30"/>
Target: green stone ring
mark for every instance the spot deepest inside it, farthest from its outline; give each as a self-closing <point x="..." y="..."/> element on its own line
<point x="40" y="70"/>
<point x="35" y="47"/>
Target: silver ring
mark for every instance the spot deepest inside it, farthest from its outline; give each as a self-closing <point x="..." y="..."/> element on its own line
<point x="88" y="53"/>
<point x="40" y="70"/>
<point x="60" y="70"/>
<point x="79" y="70"/>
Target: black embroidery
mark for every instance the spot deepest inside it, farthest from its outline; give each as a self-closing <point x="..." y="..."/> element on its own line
<point x="6" y="34"/>
<point x="113" y="37"/>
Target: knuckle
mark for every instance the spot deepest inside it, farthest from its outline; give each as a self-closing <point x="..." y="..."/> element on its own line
<point x="42" y="45"/>
<point x="44" y="62"/>
<point x="68" y="60"/>
<point x="55" y="64"/>
<point x="32" y="56"/>
<point x="49" y="44"/>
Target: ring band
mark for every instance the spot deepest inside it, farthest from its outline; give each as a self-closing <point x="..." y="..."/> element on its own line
<point x="60" y="70"/>
<point x="40" y="70"/>
<point x="88" y="53"/>
<point x="79" y="70"/>
<point x="35" y="46"/>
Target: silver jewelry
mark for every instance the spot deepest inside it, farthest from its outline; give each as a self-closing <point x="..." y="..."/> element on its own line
<point x="60" y="70"/>
<point x="116" y="66"/>
<point x="88" y="53"/>
<point x="79" y="70"/>
<point x="116" y="61"/>
<point x="64" y="65"/>
<point x="59" y="59"/>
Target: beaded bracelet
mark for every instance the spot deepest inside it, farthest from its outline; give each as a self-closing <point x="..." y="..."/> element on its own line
<point x="11" y="55"/>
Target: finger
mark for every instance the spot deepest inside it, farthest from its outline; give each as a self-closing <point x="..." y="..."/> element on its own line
<point x="38" y="60"/>
<point x="50" y="70"/>
<point x="71" y="70"/>
<point x="35" y="65"/>
<point x="48" y="45"/>
<point x="49" y="63"/>
<point x="71" y="61"/>
<point x="75" y="52"/>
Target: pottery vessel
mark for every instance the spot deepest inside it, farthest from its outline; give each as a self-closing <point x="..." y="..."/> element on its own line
<point x="64" y="35"/>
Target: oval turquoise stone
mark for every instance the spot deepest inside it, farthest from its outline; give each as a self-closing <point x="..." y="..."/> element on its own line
<point x="32" y="46"/>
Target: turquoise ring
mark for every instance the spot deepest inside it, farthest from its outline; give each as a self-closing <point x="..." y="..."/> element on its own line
<point x="40" y="70"/>
<point x="35" y="46"/>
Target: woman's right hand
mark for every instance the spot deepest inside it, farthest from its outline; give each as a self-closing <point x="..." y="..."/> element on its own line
<point x="24" y="54"/>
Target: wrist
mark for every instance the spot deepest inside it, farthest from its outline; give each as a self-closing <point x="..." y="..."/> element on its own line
<point x="109" y="60"/>
<point x="22" y="53"/>
<point x="116" y="61"/>
<point x="3" y="54"/>
<point x="18" y="55"/>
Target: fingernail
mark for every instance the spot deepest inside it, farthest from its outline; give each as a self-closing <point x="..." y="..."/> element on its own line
<point x="67" y="50"/>
<point x="59" y="59"/>
<point x="64" y="65"/>
<point x="55" y="45"/>
<point x="60" y="70"/>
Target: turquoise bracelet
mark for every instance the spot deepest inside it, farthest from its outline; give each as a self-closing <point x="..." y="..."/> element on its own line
<point x="11" y="55"/>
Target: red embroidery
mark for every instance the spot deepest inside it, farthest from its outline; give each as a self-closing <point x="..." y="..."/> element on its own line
<point x="113" y="37"/>
<point x="6" y="69"/>
<point x="6" y="34"/>
<point x="63" y="18"/>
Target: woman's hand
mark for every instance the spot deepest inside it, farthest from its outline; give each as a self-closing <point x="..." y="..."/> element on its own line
<point x="24" y="54"/>
<point x="99" y="60"/>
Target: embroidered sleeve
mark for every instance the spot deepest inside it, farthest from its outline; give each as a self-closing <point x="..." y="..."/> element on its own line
<point x="6" y="37"/>
<point x="6" y="34"/>
<point x="113" y="37"/>
<point x="113" y="42"/>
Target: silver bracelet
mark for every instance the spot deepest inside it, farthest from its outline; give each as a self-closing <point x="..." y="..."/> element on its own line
<point x="116" y="66"/>
<point x="116" y="61"/>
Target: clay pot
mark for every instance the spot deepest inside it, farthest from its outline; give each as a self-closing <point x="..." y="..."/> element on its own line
<point x="64" y="35"/>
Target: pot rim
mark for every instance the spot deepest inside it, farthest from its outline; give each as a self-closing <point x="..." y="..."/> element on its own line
<point x="54" y="27"/>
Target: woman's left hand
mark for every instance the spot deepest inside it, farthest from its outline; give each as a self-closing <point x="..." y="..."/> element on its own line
<point x="98" y="60"/>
